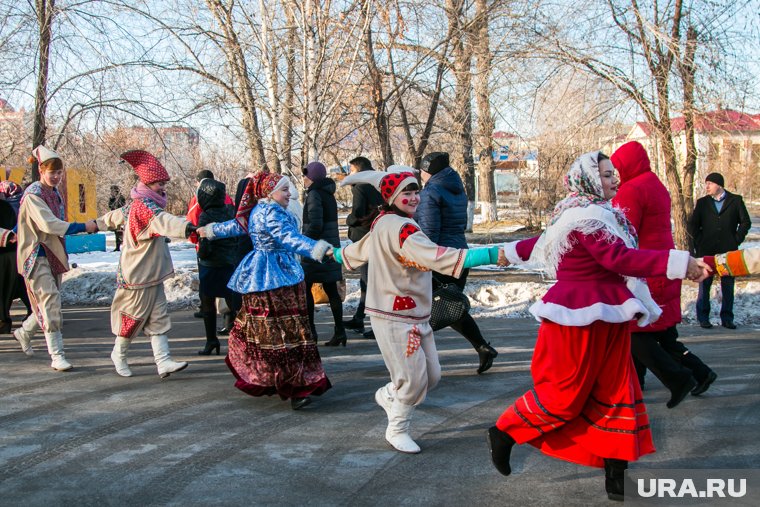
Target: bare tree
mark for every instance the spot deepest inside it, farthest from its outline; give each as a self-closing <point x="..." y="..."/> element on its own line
<point x="485" y="127"/>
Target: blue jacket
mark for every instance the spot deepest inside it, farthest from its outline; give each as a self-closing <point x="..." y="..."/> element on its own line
<point x="273" y="262"/>
<point x="442" y="213"/>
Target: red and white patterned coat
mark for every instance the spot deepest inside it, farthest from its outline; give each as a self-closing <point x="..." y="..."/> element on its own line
<point x="145" y="260"/>
<point x="401" y="258"/>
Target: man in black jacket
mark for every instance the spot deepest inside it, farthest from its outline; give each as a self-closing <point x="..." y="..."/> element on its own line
<point x="366" y="198"/>
<point x="719" y="224"/>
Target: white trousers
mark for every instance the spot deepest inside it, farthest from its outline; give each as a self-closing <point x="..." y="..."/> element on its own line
<point x="413" y="374"/>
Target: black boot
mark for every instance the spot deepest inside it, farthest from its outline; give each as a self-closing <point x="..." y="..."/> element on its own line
<point x="209" y="348"/>
<point x="677" y="394"/>
<point x="339" y="338"/>
<point x="229" y="321"/>
<point x="614" y="475"/>
<point x="354" y="324"/>
<point x="486" y="353"/>
<point x="500" y="444"/>
<point x="369" y="335"/>
<point x="212" y="342"/>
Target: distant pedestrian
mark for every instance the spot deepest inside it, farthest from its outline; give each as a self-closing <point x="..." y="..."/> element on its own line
<point x="442" y="215"/>
<point x="365" y="200"/>
<point x="719" y="224"/>
<point x="116" y="201"/>
<point x="41" y="255"/>
<point x="145" y="262"/>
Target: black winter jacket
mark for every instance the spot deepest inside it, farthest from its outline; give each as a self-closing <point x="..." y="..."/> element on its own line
<point x="220" y="252"/>
<point x="442" y="213"/>
<point x="320" y="221"/>
<point x="366" y="199"/>
<point x="714" y="233"/>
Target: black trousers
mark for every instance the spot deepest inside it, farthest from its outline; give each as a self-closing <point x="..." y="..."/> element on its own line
<point x="466" y="326"/>
<point x="208" y="308"/>
<point x="667" y="358"/>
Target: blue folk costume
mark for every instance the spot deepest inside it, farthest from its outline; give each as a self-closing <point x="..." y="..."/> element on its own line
<point x="270" y="348"/>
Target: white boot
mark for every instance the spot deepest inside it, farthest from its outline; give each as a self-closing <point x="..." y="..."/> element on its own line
<point x="119" y="356"/>
<point x="25" y="333"/>
<point x="160" y="344"/>
<point x="384" y="397"/>
<point x="55" y="349"/>
<point x="397" y="433"/>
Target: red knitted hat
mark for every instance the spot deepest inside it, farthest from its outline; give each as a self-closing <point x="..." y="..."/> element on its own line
<point x="147" y="167"/>
<point x="390" y="185"/>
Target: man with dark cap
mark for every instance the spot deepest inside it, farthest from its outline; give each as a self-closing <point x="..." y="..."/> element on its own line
<point x="442" y="216"/>
<point x="719" y="224"/>
<point x="365" y="199"/>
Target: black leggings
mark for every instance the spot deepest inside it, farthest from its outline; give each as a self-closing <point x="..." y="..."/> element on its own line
<point x="208" y="308"/>
<point x="336" y="305"/>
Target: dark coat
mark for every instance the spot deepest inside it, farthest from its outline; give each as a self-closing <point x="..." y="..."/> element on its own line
<point x="320" y="221"/>
<point x="442" y="213"/>
<point x="366" y="199"/>
<point x="714" y="233"/>
<point x="219" y="252"/>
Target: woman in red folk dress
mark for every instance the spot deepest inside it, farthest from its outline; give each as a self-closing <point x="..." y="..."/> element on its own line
<point x="586" y="405"/>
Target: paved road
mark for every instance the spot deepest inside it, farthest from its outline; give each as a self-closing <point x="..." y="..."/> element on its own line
<point x="89" y="437"/>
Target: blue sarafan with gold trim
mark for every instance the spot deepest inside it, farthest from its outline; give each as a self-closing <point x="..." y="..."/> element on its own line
<point x="273" y="262"/>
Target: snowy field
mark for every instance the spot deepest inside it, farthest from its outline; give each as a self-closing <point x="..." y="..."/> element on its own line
<point x="92" y="283"/>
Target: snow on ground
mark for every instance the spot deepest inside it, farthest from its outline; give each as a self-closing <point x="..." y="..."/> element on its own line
<point x="93" y="282"/>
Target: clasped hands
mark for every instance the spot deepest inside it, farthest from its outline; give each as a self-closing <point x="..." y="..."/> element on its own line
<point x="697" y="270"/>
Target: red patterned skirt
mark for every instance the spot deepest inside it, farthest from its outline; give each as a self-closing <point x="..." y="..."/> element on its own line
<point x="270" y="348"/>
<point x="586" y="402"/>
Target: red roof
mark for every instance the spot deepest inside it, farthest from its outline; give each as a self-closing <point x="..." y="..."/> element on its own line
<point x="721" y="120"/>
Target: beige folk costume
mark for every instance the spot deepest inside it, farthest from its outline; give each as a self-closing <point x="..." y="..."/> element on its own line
<point x="42" y="259"/>
<point x="145" y="262"/>
<point x="399" y="297"/>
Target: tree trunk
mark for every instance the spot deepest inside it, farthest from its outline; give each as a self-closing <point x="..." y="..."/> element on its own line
<point x="484" y="144"/>
<point x="462" y="52"/>
<point x="688" y="72"/>
<point x="377" y="98"/>
<point x="45" y="13"/>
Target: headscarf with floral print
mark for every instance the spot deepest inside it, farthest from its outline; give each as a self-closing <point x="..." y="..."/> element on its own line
<point x="584" y="185"/>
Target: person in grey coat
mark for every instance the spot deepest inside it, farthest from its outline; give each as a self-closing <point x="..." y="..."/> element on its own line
<point x="442" y="215"/>
<point x="320" y="221"/>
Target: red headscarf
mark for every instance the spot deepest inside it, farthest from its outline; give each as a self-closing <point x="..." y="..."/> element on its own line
<point x="259" y="186"/>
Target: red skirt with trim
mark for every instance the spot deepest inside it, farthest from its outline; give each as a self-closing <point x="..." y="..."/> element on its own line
<point x="586" y="403"/>
<point x="270" y="348"/>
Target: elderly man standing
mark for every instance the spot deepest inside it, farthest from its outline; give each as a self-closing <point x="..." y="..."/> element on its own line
<point x="719" y="224"/>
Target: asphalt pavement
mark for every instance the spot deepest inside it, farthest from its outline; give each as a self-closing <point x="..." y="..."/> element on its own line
<point x="90" y="437"/>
